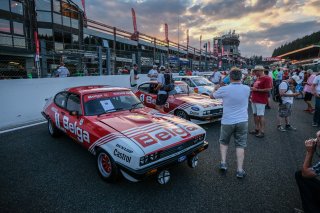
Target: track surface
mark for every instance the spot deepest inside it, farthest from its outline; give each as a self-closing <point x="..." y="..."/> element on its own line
<point x="43" y="174"/>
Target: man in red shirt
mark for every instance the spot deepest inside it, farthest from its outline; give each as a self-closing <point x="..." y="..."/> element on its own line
<point x="259" y="99"/>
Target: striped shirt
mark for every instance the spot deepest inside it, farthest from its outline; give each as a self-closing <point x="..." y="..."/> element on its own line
<point x="316" y="168"/>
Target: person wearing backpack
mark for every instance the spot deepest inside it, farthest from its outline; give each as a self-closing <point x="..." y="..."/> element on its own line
<point x="165" y="86"/>
<point x="285" y="98"/>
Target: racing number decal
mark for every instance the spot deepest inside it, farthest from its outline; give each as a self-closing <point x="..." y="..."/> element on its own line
<point x="166" y="105"/>
<point x="147" y="99"/>
<point x="142" y="97"/>
<point x="57" y="120"/>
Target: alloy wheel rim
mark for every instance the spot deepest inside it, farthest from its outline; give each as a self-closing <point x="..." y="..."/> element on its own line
<point x="104" y="164"/>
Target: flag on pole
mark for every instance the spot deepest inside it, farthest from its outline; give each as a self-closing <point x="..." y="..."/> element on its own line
<point x="187" y="37"/>
<point x="84" y="8"/>
<point x="209" y="46"/>
<point x="200" y="42"/>
<point x="166" y="32"/>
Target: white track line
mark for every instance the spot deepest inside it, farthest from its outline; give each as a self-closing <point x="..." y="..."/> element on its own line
<point x="22" y="127"/>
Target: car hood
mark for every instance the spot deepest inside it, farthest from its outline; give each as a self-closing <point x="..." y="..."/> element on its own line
<point x="150" y="130"/>
<point x="208" y="88"/>
<point x="200" y="100"/>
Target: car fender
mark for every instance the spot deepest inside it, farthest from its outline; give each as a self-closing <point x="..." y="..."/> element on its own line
<point x="124" y="152"/>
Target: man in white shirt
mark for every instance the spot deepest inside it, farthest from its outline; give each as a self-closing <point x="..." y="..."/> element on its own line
<point x="234" y="120"/>
<point x="153" y="73"/>
<point x="285" y="106"/>
<point x="62" y="72"/>
<point x="216" y="76"/>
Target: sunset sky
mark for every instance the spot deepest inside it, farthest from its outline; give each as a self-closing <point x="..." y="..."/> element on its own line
<point x="262" y="24"/>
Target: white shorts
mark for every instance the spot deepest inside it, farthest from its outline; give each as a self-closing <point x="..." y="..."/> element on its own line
<point x="258" y="109"/>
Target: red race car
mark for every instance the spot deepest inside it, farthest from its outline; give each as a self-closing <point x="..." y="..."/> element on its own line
<point x="125" y="136"/>
<point x="200" y="109"/>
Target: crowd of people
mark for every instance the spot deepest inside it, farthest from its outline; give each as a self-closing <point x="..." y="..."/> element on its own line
<point x="239" y="88"/>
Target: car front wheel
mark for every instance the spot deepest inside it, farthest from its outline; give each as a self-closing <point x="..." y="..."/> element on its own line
<point x="181" y="114"/>
<point x="107" y="168"/>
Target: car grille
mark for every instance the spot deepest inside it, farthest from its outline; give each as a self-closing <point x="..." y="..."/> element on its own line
<point x="176" y="149"/>
<point x="215" y="112"/>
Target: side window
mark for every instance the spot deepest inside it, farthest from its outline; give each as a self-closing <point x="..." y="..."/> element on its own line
<point x="144" y="87"/>
<point x="188" y="81"/>
<point x="60" y="99"/>
<point x="73" y="103"/>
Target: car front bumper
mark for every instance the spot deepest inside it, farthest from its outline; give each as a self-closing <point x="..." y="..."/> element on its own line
<point x="153" y="169"/>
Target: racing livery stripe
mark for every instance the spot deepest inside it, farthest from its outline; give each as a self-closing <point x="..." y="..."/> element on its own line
<point x="104" y="138"/>
<point x="105" y="141"/>
<point x="183" y="106"/>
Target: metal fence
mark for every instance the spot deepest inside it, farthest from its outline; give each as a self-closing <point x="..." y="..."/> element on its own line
<point x="22" y="62"/>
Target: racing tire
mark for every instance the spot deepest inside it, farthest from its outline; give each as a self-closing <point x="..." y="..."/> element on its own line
<point x="193" y="161"/>
<point x="52" y="129"/>
<point x="107" y="168"/>
<point x="182" y="114"/>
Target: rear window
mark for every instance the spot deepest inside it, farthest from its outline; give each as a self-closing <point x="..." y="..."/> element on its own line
<point x="60" y="99"/>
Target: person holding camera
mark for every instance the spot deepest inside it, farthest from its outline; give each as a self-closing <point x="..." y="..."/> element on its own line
<point x="308" y="178"/>
<point x="165" y="86"/>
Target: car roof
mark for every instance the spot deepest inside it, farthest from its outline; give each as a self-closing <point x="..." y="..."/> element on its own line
<point x="155" y="82"/>
<point x="187" y="76"/>
<point x="82" y="90"/>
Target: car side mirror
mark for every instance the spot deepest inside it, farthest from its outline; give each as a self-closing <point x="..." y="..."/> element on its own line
<point x="74" y="113"/>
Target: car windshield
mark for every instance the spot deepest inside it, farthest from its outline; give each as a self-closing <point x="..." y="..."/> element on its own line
<point x="201" y="81"/>
<point x="106" y="102"/>
<point x="181" y="89"/>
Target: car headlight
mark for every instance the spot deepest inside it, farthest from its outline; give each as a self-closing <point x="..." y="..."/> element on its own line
<point x="194" y="108"/>
<point x="199" y="138"/>
<point x="149" y="158"/>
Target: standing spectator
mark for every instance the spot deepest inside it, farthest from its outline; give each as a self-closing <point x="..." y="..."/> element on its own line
<point x="308" y="90"/>
<point x="308" y="178"/>
<point x="248" y="79"/>
<point x="134" y="76"/>
<point x="62" y="72"/>
<point x="259" y="99"/>
<point x="266" y="72"/>
<point x="216" y="76"/>
<point x="153" y="73"/>
<point x="285" y="106"/>
<point x="234" y="121"/>
<point x="316" y="93"/>
<point x="165" y="86"/>
<point x="274" y="73"/>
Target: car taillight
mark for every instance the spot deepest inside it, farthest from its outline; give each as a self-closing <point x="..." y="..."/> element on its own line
<point x="196" y="90"/>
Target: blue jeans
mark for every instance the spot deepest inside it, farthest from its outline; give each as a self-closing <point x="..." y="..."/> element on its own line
<point x="316" y="115"/>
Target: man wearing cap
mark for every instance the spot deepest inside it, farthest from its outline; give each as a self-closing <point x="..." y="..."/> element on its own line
<point x="153" y="73"/>
<point x="259" y="99"/>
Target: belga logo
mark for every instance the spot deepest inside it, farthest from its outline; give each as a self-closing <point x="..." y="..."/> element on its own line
<point x="81" y="134"/>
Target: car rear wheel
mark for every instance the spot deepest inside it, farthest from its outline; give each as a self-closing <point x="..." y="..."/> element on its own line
<point x="107" y="168"/>
<point x="53" y="130"/>
<point x="182" y="114"/>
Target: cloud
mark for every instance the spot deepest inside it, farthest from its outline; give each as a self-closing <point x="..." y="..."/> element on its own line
<point x="229" y="9"/>
<point x="262" y="24"/>
<point x="267" y="40"/>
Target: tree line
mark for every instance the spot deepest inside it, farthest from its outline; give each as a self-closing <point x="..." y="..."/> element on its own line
<point x="299" y="43"/>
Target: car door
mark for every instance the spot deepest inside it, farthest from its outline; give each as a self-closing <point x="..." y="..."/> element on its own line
<point x="73" y="119"/>
<point x="148" y="94"/>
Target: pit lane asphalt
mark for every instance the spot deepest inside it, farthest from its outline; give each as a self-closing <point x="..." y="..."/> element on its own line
<point x="43" y="174"/>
